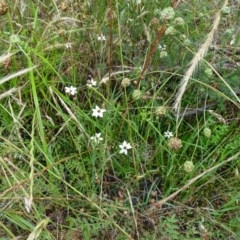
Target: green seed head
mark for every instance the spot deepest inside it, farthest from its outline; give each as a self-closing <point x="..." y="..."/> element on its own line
<point x="137" y="94"/>
<point x="167" y="14"/>
<point x="188" y="166"/>
<point x="207" y="132"/>
<point x="125" y="82"/>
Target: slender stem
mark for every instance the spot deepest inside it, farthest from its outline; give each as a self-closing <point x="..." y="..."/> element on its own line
<point x="161" y="31"/>
<point x="110" y="15"/>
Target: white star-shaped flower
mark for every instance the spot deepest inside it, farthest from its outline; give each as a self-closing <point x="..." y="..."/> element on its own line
<point x="168" y="134"/>
<point x="101" y="38"/>
<point x="71" y="90"/>
<point x="68" y="45"/>
<point x="98" y="112"/>
<point x="91" y="83"/>
<point x="97" y="138"/>
<point x="125" y="147"/>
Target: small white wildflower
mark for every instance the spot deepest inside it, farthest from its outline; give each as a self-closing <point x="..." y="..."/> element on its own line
<point x="71" y="90"/>
<point x="101" y="38"/>
<point x="98" y="112"/>
<point x="91" y="83"/>
<point x="68" y="45"/>
<point x="125" y="147"/>
<point x="162" y="47"/>
<point x="168" y="134"/>
<point x="28" y="204"/>
<point x="163" y="50"/>
<point x="97" y="138"/>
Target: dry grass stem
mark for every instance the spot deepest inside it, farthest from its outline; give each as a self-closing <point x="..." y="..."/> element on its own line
<point x="4" y="57"/>
<point x="159" y="204"/>
<point x="196" y="60"/>
<point x="16" y="74"/>
<point x="81" y="128"/>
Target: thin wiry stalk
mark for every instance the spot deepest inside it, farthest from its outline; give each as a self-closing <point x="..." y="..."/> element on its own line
<point x="196" y="61"/>
<point x="110" y="38"/>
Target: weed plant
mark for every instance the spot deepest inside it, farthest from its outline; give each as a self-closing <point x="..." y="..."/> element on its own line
<point x="119" y="119"/>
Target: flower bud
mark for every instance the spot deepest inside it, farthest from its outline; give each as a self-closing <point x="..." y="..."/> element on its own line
<point x="161" y="111"/>
<point x="137" y="94"/>
<point x="225" y="10"/>
<point x="188" y="166"/>
<point x="208" y="72"/>
<point x="178" y="21"/>
<point x="174" y="143"/>
<point x="167" y="14"/>
<point x="170" y="31"/>
<point x="186" y="42"/>
<point x="163" y="54"/>
<point x="207" y="132"/>
<point x="3" y="8"/>
<point x="154" y="23"/>
<point x="125" y="82"/>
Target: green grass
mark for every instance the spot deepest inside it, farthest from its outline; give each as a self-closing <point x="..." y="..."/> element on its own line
<point x="57" y="182"/>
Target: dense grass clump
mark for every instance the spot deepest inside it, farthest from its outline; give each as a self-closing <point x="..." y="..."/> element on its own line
<point x="119" y="119"/>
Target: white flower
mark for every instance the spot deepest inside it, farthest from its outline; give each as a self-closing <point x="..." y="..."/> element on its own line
<point x="91" y="83"/>
<point x="68" y="45"/>
<point x="168" y="134"/>
<point x="125" y="147"/>
<point x="28" y="204"/>
<point x="71" y="90"/>
<point x="98" y="112"/>
<point x="162" y="47"/>
<point x="97" y="138"/>
<point x="163" y="50"/>
<point x="101" y="38"/>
